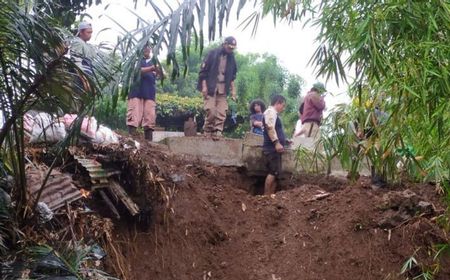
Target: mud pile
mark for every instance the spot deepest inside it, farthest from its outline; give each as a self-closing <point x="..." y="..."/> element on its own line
<point x="206" y="223"/>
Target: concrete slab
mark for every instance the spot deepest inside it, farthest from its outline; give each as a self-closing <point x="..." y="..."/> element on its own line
<point x="223" y="151"/>
<point x="161" y="135"/>
<point x="248" y="152"/>
<point x="303" y="142"/>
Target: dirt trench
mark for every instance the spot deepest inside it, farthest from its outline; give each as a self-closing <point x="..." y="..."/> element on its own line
<point x="206" y="223"/>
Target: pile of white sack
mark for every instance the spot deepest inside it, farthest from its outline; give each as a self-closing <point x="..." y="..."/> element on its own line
<point x="43" y="127"/>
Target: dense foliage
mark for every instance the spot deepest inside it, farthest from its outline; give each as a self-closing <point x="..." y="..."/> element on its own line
<point x="396" y="55"/>
<point x="35" y="74"/>
<point x="399" y="54"/>
<point x="64" y="12"/>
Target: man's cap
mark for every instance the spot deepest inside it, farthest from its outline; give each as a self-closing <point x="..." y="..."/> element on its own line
<point x="320" y="87"/>
<point x="231" y="41"/>
<point x="84" y="25"/>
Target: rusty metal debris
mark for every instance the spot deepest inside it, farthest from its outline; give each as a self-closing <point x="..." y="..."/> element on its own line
<point x="58" y="190"/>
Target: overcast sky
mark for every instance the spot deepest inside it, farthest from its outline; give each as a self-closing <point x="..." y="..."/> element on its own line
<point x="291" y="43"/>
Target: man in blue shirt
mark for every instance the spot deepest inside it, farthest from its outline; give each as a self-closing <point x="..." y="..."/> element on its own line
<point x="274" y="142"/>
<point x="141" y="99"/>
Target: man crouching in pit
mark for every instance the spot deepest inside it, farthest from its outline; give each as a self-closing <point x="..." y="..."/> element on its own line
<point x="274" y="142"/>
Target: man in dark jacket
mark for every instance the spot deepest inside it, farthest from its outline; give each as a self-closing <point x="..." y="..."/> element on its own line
<point x="274" y="142"/>
<point x="141" y="99"/>
<point x="216" y="82"/>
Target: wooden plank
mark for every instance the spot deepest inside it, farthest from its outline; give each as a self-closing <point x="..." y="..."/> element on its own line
<point x="109" y="203"/>
<point x="118" y="191"/>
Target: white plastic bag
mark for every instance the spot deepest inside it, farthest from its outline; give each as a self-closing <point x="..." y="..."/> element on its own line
<point x="97" y="133"/>
<point x="105" y="135"/>
<point x="88" y="126"/>
<point x="47" y="129"/>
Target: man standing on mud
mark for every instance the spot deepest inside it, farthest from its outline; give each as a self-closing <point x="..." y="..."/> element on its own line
<point x="141" y="99"/>
<point x="215" y="82"/>
<point x="274" y="142"/>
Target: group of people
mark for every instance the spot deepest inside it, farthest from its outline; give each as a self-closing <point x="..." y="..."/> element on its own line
<point x="215" y="83"/>
<point x="309" y="119"/>
<point x="268" y="123"/>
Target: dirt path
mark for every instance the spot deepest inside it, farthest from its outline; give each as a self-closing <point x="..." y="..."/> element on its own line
<point x="210" y="227"/>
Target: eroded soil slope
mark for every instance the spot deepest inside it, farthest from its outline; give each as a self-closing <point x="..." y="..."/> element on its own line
<point x="206" y="224"/>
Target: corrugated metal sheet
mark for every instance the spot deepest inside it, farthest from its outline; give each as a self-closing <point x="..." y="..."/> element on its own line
<point x="97" y="174"/>
<point x="58" y="190"/>
<point x="100" y="179"/>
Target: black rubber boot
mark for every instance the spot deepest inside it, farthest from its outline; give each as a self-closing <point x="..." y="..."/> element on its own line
<point x="131" y="130"/>
<point x="148" y="134"/>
